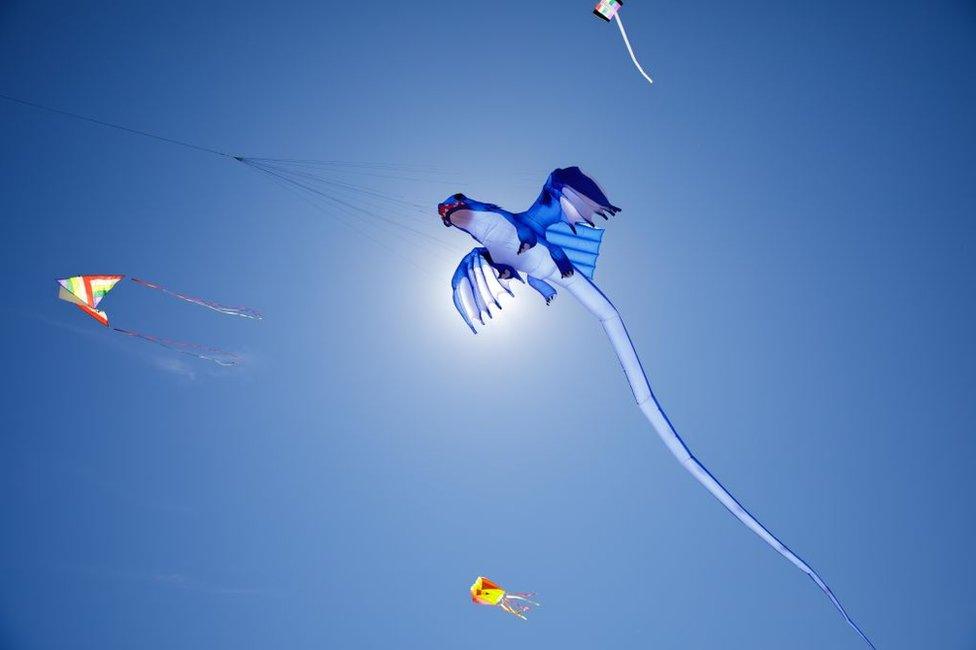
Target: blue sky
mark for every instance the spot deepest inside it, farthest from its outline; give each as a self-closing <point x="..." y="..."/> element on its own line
<point x="794" y="261"/>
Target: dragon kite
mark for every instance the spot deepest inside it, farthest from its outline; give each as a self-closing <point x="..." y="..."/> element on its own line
<point x="555" y="244"/>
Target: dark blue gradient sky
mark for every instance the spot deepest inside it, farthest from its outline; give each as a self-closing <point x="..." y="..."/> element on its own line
<point x="794" y="261"/>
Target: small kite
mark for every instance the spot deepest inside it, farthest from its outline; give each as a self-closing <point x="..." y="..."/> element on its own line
<point x="486" y="592"/>
<point x="556" y="244"/>
<point x="610" y="10"/>
<point x="87" y="291"/>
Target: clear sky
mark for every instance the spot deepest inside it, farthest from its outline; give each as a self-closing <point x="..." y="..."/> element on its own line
<point x="794" y="260"/>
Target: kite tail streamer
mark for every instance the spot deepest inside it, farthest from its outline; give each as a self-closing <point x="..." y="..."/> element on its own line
<point x="630" y="50"/>
<point x="520" y="608"/>
<point x="243" y="312"/>
<point x="600" y="306"/>
<point x="218" y="356"/>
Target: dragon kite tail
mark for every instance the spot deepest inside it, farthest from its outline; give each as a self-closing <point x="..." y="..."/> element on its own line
<point x="600" y="306"/>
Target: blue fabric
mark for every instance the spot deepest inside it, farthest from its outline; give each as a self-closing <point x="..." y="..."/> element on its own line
<point x="582" y="248"/>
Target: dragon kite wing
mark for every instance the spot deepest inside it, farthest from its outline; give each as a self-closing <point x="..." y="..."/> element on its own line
<point x="580" y="243"/>
<point x="572" y="197"/>
<point x="566" y="208"/>
<point x="86" y="291"/>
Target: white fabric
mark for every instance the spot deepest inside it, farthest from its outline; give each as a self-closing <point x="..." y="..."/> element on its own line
<point x="601" y="307"/>
<point x="633" y="58"/>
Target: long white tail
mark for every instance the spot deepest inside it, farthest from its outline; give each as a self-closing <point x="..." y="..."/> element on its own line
<point x="630" y="50"/>
<point x="600" y="306"/>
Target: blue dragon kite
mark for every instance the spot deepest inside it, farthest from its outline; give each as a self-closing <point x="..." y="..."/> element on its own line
<point x="555" y="244"/>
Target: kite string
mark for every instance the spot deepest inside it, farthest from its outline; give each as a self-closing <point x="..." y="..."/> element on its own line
<point x="364" y="169"/>
<point x="285" y="176"/>
<point x="190" y="145"/>
<point x="630" y="50"/>
<point x="345" y="184"/>
<point x="278" y="180"/>
<point x="348" y="164"/>
<point x="361" y="209"/>
<point x="255" y="163"/>
<point x="110" y="125"/>
<point x="367" y="205"/>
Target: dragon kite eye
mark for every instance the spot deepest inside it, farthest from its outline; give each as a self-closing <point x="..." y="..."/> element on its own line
<point x="458" y="196"/>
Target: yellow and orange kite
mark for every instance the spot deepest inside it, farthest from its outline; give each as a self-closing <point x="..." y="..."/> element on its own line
<point x="486" y="592"/>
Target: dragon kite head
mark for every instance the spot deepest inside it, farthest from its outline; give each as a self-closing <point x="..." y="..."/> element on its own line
<point x="450" y="205"/>
<point x="458" y="210"/>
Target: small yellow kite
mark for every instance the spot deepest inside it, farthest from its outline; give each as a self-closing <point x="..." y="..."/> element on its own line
<point x="486" y="592"/>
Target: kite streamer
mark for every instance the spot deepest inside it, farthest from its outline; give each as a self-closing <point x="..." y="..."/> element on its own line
<point x="630" y="50"/>
<point x="218" y="356"/>
<point x="555" y="244"/>
<point x="243" y="312"/>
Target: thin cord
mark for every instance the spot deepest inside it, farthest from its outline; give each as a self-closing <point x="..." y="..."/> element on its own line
<point x="358" y="215"/>
<point x="278" y="173"/>
<point x="353" y="226"/>
<point x="349" y="186"/>
<point x="275" y="175"/>
<point x="110" y="125"/>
